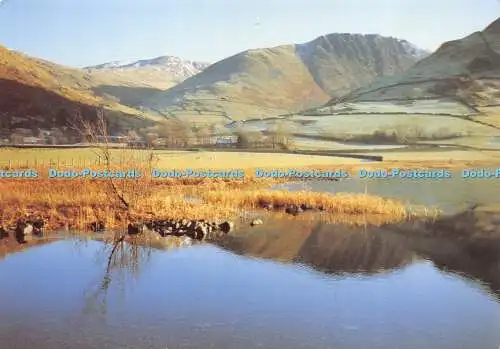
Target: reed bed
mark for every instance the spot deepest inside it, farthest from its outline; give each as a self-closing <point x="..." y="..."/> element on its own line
<point x="75" y="203"/>
<point x="341" y="203"/>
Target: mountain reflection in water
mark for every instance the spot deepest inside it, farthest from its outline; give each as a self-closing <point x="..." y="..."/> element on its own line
<point x="74" y="295"/>
<point x="338" y="249"/>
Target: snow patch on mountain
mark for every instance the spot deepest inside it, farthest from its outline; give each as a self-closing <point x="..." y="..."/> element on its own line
<point x="171" y="64"/>
<point x="417" y="52"/>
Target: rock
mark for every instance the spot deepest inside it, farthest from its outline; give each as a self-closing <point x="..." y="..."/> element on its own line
<point x="184" y="222"/>
<point x="135" y="229"/>
<point x="160" y="230"/>
<point x="256" y="222"/>
<point x="226" y="226"/>
<point x="38" y="225"/>
<point x="305" y="207"/>
<point x="268" y="205"/>
<point x="3" y="233"/>
<point x="201" y="232"/>
<point x="293" y="210"/>
<point x="23" y="230"/>
<point x="97" y="226"/>
<point x="179" y="232"/>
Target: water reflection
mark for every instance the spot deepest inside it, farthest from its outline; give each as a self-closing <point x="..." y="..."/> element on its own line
<point x="123" y="261"/>
<point x="337" y="249"/>
<point x="334" y="249"/>
<point x="206" y="297"/>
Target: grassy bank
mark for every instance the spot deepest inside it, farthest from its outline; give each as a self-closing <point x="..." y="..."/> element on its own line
<point x="77" y="202"/>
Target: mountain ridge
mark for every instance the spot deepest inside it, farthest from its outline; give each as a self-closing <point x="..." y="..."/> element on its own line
<point x="285" y="78"/>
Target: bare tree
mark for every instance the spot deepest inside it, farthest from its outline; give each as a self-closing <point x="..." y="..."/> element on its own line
<point x="127" y="192"/>
<point x="16" y="138"/>
<point x="248" y="139"/>
<point x="175" y="132"/>
<point x="281" y="135"/>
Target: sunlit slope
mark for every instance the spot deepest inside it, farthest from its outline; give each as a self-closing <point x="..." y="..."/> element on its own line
<point x="450" y="97"/>
<point x="38" y="93"/>
<point x="284" y="79"/>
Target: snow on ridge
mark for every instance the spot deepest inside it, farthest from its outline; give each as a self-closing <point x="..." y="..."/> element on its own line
<point x="172" y="64"/>
<point x="413" y="49"/>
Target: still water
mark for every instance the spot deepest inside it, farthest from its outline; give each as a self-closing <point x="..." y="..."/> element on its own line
<point x="301" y="285"/>
<point x="450" y="195"/>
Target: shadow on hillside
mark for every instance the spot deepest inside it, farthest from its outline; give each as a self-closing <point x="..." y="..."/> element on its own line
<point x="130" y="96"/>
<point x="29" y="107"/>
<point x="25" y="106"/>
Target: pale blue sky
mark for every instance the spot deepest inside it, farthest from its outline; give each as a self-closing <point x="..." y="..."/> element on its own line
<point x="87" y="32"/>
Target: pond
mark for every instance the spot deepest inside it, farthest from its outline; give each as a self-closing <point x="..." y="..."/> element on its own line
<point x="286" y="284"/>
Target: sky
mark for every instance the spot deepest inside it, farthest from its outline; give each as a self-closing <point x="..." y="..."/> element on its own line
<point x="88" y="32"/>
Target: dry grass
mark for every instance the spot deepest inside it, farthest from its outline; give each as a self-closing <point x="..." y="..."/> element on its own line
<point x="74" y="203"/>
<point x="342" y="203"/>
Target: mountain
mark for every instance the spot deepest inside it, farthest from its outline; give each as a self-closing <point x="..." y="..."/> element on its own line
<point x="161" y="72"/>
<point x="457" y="67"/>
<point x="267" y="82"/>
<point x="451" y="96"/>
<point x="41" y="94"/>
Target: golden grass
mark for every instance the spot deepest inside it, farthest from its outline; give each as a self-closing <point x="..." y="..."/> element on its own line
<point x="342" y="203"/>
<point x="74" y="203"/>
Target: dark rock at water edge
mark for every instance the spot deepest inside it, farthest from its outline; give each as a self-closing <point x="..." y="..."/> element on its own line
<point x="268" y="205"/>
<point x="135" y="229"/>
<point x="306" y="207"/>
<point x="226" y="227"/>
<point x="23" y="230"/>
<point x="293" y="210"/>
<point x="3" y="233"/>
<point x="195" y="229"/>
<point x="290" y="209"/>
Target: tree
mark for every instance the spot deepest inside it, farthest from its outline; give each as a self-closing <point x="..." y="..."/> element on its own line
<point x="281" y="135"/>
<point x="132" y="136"/>
<point x="16" y="138"/>
<point x="248" y="139"/>
<point x="175" y="131"/>
<point x="151" y="138"/>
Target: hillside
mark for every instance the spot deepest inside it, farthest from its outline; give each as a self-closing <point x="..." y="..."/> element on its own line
<point x="459" y="68"/>
<point x="40" y="94"/>
<point x="273" y="81"/>
<point x="451" y="97"/>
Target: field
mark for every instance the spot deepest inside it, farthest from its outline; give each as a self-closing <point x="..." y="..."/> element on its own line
<point x="226" y="160"/>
